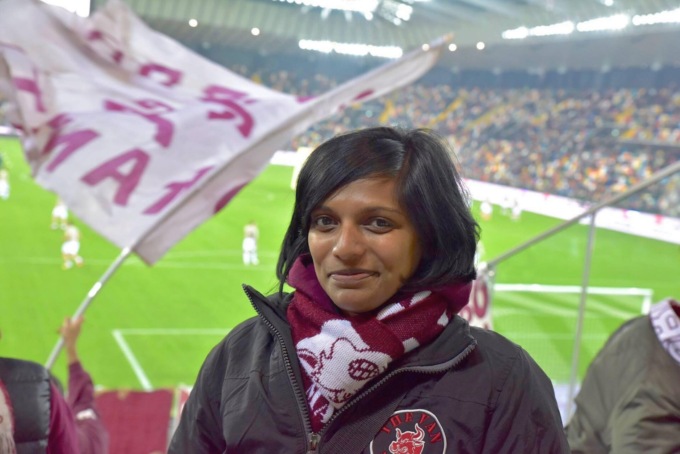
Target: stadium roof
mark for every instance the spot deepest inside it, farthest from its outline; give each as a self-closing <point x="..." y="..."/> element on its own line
<point x="283" y="23"/>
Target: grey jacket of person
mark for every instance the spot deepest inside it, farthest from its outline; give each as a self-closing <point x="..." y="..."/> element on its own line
<point x="469" y="391"/>
<point x="629" y="401"/>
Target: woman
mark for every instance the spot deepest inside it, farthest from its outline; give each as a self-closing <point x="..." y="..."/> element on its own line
<point x="367" y="354"/>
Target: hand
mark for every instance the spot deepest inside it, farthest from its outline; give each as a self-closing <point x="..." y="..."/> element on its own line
<point x="70" y="330"/>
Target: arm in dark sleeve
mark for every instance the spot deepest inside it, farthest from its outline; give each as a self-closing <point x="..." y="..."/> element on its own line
<point x="62" y="438"/>
<point x="80" y="388"/>
<point x="92" y="435"/>
<point x="200" y="426"/>
<point x="526" y="418"/>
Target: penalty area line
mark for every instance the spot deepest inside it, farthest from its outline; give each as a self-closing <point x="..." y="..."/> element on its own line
<point x="174" y="331"/>
<point x="136" y="367"/>
<point x="119" y="336"/>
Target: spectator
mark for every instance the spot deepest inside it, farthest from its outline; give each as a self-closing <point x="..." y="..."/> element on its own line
<point x="59" y="215"/>
<point x="368" y="354"/>
<point x="71" y="246"/>
<point x="44" y="421"/>
<point x="581" y="144"/>
<point x="4" y="184"/>
<point x="250" y="236"/>
<point x="92" y="436"/>
<point x="629" y="401"/>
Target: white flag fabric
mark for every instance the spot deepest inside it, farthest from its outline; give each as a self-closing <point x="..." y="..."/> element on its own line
<point x="478" y="310"/>
<point x="143" y="138"/>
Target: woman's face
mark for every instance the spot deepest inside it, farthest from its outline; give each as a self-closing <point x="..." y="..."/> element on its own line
<point x="363" y="245"/>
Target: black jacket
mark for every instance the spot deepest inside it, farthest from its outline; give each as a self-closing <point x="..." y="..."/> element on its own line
<point x="469" y="391"/>
<point x="28" y="386"/>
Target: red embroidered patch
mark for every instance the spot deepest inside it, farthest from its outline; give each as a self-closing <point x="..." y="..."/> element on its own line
<point x="410" y="432"/>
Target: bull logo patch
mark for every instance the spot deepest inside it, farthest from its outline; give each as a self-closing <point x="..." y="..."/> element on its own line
<point x="410" y="432"/>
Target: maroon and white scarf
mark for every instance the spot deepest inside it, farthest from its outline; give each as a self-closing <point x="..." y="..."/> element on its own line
<point x="666" y="322"/>
<point x="6" y="423"/>
<point x="338" y="354"/>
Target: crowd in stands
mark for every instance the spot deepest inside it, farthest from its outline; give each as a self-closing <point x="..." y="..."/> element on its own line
<point x="584" y="144"/>
<point x="588" y="145"/>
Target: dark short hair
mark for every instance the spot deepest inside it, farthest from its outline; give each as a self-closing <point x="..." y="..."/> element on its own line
<point x="429" y="189"/>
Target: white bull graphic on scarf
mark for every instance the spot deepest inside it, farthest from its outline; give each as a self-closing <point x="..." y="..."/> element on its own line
<point x="339" y="361"/>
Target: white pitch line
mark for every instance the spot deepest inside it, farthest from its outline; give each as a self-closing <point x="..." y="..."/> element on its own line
<point x="217" y="253"/>
<point x="212" y="266"/>
<point x="184" y="265"/>
<point x="118" y="334"/>
<point x="569" y="309"/>
<point x="552" y="336"/>
<point x="551" y="312"/>
<point x="139" y="372"/>
<point x="539" y="288"/>
<point x="172" y="331"/>
<point x="51" y="261"/>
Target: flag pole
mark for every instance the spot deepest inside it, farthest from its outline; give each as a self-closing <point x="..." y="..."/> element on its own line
<point x="124" y="253"/>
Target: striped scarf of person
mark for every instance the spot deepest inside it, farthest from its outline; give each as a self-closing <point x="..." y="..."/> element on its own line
<point x="339" y="355"/>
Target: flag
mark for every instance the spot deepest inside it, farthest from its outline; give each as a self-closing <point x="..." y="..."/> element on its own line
<point x="478" y="310"/>
<point x="143" y="138"/>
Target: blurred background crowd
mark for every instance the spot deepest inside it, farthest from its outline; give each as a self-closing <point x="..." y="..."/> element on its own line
<point x="574" y="142"/>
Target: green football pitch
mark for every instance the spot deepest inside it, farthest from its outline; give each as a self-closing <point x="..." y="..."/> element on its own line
<point x="152" y="327"/>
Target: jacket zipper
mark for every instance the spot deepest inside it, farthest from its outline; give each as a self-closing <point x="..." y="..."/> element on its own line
<point x="312" y="437"/>
<point x="313" y="443"/>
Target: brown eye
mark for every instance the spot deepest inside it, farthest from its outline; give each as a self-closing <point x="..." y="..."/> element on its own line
<point x="322" y="222"/>
<point x="381" y="225"/>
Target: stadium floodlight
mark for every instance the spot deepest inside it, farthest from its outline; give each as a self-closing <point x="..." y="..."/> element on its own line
<point x="608" y="23"/>
<point x="662" y="17"/>
<point x="359" y="50"/>
<point x="615" y="22"/>
<point x="561" y="28"/>
<point x="516" y="33"/>
<point x="358" y="6"/>
<point x="320" y="46"/>
<point x="394" y="11"/>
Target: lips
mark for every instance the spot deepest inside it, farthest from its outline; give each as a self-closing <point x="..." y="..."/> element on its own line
<point x="350" y="277"/>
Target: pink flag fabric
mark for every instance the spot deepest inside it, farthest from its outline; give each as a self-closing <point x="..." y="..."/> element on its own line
<point x="478" y="310"/>
<point x="143" y="138"/>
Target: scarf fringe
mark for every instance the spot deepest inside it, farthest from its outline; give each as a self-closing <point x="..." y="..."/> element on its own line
<point x="7" y="445"/>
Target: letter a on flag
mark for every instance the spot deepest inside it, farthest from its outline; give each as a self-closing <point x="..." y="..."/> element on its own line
<point x="142" y="138"/>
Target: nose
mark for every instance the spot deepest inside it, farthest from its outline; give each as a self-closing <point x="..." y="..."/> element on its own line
<point x="349" y="243"/>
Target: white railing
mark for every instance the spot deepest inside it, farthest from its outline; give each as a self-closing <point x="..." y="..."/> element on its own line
<point x="590" y="215"/>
